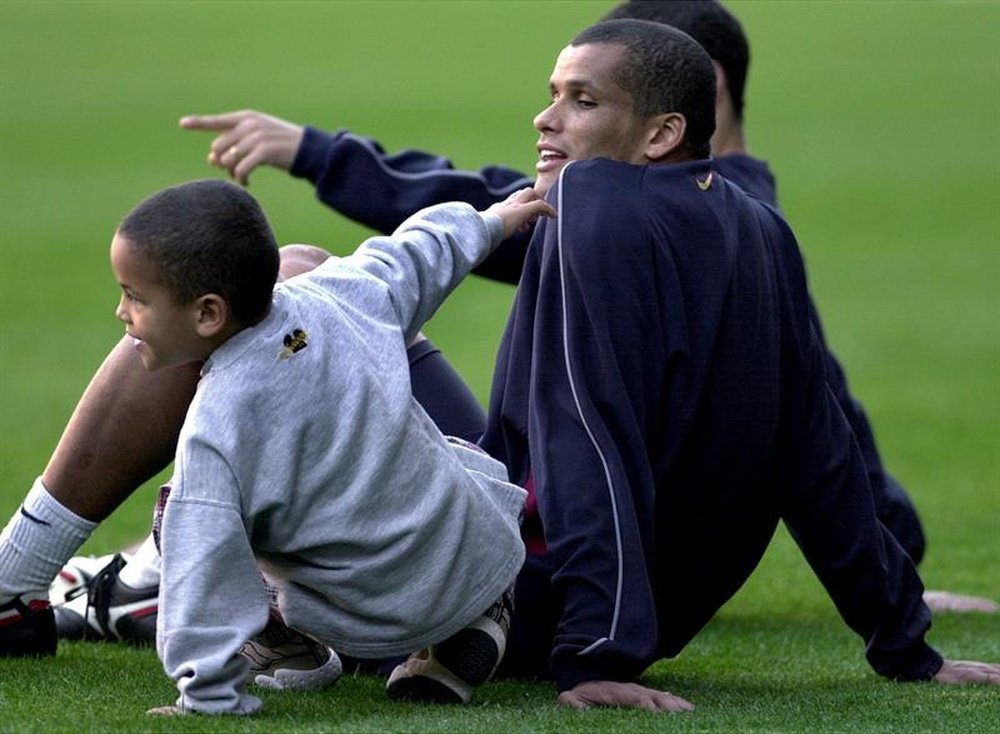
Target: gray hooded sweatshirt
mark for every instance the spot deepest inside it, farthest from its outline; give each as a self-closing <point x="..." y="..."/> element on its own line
<point x="305" y="455"/>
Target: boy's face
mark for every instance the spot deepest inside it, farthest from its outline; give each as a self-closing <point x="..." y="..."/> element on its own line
<point x="590" y="116"/>
<point x="163" y="331"/>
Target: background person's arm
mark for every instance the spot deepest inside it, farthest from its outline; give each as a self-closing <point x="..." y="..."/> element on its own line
<point x="357" y="178"/>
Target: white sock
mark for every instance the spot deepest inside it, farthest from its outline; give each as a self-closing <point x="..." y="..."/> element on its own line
<point x="143" y="568"/>
<point x="39" y="539"/>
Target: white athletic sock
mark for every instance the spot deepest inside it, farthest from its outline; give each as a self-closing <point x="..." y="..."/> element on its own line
<point x="143" y="568"/>
<point x="39" y="539"/>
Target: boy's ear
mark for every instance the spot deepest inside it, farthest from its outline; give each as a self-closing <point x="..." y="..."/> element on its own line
<point x="211" y="314"/>
<point x="666" y="136"/>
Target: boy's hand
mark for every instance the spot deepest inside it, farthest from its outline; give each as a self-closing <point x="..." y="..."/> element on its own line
<point x="520" y="210"/>
<point x="165" y="711"/>
<point x="248" y="139"/>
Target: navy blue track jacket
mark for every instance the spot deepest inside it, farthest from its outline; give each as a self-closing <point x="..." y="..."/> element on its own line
<point x="661" y="381"/>
<point x="355" y="176"/>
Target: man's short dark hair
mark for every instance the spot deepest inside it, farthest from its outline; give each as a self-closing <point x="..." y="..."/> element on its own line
<point x="664" y="70"/>
<point x="208" y="237"/>
<point x="710" y="24"/>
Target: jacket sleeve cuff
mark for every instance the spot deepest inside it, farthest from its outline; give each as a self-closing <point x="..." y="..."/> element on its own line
<point x="310" y="159"/>
<point x="570" y="672"/>
<point x="920" y="662"/>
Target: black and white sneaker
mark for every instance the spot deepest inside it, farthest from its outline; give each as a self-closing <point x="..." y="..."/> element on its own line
<point x="27" y="628"/>
<point x="450" y="671"/>
<point x="110" y="610"/>
<point x="282" y="658"/>
<point x="74" y="578"/>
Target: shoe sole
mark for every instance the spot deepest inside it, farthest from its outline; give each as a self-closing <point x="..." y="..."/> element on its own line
<point x="421" y="689"/>
<point x="291" y="679"/>
<point x="464" y="661"/>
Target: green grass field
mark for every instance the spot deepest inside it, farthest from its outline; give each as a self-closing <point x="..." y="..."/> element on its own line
<point x="881" y="120"/>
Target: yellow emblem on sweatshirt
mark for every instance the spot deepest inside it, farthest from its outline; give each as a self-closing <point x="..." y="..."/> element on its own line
<point x="294" y="342"/>
<point x="707" y="183"/>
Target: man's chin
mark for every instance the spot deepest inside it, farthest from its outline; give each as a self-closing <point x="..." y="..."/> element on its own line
<point x="546" y="179"/>
<point x="544" y="182"/>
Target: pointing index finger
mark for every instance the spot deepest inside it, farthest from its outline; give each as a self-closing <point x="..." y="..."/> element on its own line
<point x="211" y="122"/>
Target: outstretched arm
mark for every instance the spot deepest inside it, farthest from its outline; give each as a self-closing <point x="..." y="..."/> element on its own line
<point x="356" y="177"/>
<point x="430" y="253"/>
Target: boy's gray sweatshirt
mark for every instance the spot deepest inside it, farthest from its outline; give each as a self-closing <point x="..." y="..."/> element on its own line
<point x="305" y="454"/>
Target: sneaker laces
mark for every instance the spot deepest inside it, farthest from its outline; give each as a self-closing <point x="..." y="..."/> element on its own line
<point x="99" y="594"/>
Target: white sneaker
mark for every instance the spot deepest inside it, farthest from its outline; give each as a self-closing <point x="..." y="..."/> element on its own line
<point x="451" y="670"/>
<point x="73" y="579"/>
<point x="282" y="658"/>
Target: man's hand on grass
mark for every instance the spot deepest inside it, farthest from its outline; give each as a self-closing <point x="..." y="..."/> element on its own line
<point x="947" y="601"/>
<point x="959" y="672"/>
<point x="621" y="695"/>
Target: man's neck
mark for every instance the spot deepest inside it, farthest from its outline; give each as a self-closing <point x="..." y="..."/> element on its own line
<point x="728" y="138"/>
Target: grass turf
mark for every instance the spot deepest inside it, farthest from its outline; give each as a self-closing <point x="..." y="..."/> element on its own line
<point x="880" y="120"/>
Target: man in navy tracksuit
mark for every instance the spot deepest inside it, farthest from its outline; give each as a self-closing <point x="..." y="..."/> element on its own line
<point x="661" y="387"/>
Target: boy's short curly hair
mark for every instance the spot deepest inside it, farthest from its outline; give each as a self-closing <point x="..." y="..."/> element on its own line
<point x="208" y="236"/>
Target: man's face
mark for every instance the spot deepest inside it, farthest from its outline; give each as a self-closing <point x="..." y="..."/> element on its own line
<point x="590" y="115"/>
<point x="163" y="332"/>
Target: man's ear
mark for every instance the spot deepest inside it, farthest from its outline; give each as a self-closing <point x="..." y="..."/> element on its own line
<point x="667" y="136"/>
<point x="211" y="315"/>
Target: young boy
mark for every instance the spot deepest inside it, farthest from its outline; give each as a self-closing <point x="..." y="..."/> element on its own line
<point x="304" y="456"/>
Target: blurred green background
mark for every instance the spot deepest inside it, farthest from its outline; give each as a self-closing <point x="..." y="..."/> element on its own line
<point x="881" y="120"/>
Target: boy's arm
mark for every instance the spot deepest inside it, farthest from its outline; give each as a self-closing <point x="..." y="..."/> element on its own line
<point x="212" y="600"/>
<point x="430" y="253"/>
<point x="356" y="177"/>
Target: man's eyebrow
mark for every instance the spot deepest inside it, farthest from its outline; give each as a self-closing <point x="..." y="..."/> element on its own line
<point x="584" y="84"/>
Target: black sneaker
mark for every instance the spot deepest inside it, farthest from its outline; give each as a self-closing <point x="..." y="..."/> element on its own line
<point x="110" y="610"/>
<point x="450" y="671"/>
<point x="27" y="628"/>
<point x="282" y="658"/>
